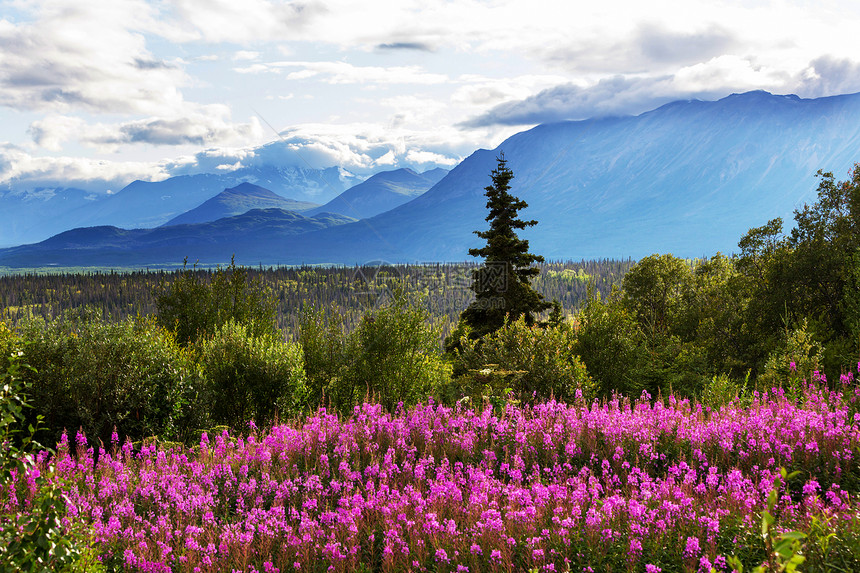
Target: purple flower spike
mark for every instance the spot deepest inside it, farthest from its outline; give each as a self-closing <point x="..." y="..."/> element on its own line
<point x="692" y="548"/>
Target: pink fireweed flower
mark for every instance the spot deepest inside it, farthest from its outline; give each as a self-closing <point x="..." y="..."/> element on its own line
<point x="272" y="490"/>
<point x="792" y="366"/>
<point x="81" y="439"/>
<point x="692" y="547"/>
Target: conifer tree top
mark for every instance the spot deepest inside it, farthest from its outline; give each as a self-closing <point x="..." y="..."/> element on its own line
<point x="502" y="287"/>
<point x="503" y="244"/>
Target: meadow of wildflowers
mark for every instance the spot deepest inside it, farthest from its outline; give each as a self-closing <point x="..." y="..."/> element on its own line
<point x="642" y="485"/>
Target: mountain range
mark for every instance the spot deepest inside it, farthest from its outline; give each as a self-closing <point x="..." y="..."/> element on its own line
<point x="382" y="192"/>
<point x="247" y="236"/>
<point x="688" y="178"/>
<point x="34" y="215"/>
<point x="237" y="200"/>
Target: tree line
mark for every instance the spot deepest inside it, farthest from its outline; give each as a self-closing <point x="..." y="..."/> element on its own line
<point x="117" y="295"/>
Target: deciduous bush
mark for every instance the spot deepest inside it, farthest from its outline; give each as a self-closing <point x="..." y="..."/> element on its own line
<point x="537" y="362"/>
<point x="392" y="356"/>
<point x="196" y="303"/>
<point x="33" y="536"/>
<point x="8" y="343"/>
<point x="797" y="357"/>
<point x="98" y="375"/>
<point x="395" y="355"/>
<point x="251" y="376"/>
<point x="722" y="390"/>
<point x="610" y="343"/>
<point x="326" y="348"/>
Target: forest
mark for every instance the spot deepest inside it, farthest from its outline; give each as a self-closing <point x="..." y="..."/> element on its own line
<point x="728" y="374"/>
<point x="444" y="289"/>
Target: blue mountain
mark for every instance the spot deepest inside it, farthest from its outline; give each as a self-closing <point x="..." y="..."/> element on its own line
<point x="237" y="200"/>
<point x="149" y="204"/>
<point x="31" y="215"/>
<point x="382" y="192"/>
<point x="251" y="235"/>
<point x="36" y="215"/>
<point x="689" y="178"/>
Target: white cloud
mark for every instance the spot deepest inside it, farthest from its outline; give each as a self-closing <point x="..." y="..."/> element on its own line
<point x="362" y="149"/>
<point x="52" y="131"/>
<point x="634" y="94"/>
<point x="86" y="56"/>
<point x="204" y="126"/>
<point x="143" y="77"/>
<point x="199" y="125"/>
<point x="246" y="55"/>
<point x="428" y="157"/>
<point x="21" y="170"/>
<point x="246" y="21"/>
<point x="345" y="73"/>
<point x="828" y="75"/>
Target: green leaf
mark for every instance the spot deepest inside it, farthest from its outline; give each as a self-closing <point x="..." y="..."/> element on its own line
<point x="793" y="535"/>
<point x="784" y="549"/>
<point x="772" y="499"/>
<point x="766" y="522"/>
<point x="791" y="475"/>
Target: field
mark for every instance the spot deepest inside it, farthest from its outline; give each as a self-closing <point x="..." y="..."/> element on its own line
<point x="617" y="485"/>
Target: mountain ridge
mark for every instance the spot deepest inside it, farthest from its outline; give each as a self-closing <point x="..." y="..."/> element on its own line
<point x="690" y="177"/>
<point x="382" y="192"/>
<point x="237" y="200"/>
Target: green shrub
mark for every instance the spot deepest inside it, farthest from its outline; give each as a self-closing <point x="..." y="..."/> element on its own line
<point x="9" y="343"/>
<point x="610" y="343"/>
<point x="325" y="348"/>
<point x="129" y="375"/>
<point x="537" y="363"/>
<point x="197" y="302"/>
<point x="250" y="376"/>
<point x="796" y="358"/>
<point x="392" y="356"/>
<point x="722" y="390"/>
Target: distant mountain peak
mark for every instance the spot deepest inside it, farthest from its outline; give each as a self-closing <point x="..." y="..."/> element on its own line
<point x="237" y="200"/>
<point x="381" y="192"/>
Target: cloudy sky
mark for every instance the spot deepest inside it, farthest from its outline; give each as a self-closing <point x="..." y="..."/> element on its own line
<point x="98" y="93"/>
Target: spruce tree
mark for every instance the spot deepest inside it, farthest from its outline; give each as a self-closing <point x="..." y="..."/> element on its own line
<point x="502" y="285"/>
